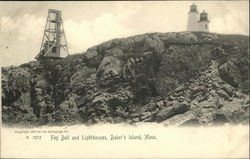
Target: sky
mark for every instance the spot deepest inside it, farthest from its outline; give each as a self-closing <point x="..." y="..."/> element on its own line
<point x="89" y="23"/>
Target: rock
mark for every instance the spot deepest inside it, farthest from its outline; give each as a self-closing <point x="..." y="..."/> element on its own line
<point x="115" y="52"/>
<point x="109" y="70"/>
<point x="235" y="111"/>
<point x="187" y="36"/>
<point x="223" y="94"/>
<point x="171" y="111"/>
<point x="207" y="116"/>
<point x="244" y="86"/>
<point x="179" y="119"/>
<point x="160" y="104"/>
<point x="247" y="100"/>
<point x="179" y="89"/>
<point x="218" y="52"/>
<point x="206" y="110"/>
<point x="144" y="78"/>
<point x="239" y="95"/>
<point x="154" y="44"/>
<point x="232" y="72"/>
<point x="220" y="118"/>
<point x="198" y="89"/>
<point x="171" y="97"/>
<point x="228" y="89"/>
<point x="198" y="95"/>
<point x="209" y="104"/>
<point x="91" y="52"/>
<point x="146" y="115"/>
<point x="148" y="55"/>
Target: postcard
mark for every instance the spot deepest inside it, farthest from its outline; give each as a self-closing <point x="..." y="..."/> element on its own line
<point x="125" y="79"/>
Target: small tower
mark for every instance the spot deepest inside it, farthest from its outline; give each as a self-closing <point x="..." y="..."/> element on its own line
<point x="193" y="17"/>
<point x="203" y="22"/>
<point x="54" y="43"/>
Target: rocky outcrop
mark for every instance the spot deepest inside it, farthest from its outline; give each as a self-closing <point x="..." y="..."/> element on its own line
<point x="170" y="78"/>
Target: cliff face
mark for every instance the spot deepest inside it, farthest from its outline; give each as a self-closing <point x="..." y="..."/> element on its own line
<point x="173" y="78"/>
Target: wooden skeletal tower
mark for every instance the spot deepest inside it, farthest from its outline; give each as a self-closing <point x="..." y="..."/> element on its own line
<point x="54" y="43"/>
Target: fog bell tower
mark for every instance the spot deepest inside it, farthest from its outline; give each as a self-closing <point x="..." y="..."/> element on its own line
<point x="54" y="43"/>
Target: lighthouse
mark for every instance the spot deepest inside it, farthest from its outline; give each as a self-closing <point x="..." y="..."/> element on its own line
<point x="193" y="17"/>
<point x="196" y="21"/>
<point x="203" y="22"/>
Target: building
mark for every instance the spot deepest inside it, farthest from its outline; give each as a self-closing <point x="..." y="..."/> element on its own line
<point x="196" y="21"/>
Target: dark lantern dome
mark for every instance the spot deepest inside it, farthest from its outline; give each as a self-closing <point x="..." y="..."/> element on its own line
<point x="193" y="8"/>
<point x="203" y="16"/>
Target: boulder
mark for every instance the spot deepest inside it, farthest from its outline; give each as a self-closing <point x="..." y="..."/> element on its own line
<point x="179" y="119"/>
<point x="171" y="111"/>
<point x="109" y="71"/>
<point x="228" y="89"/>
<point x="235" y="111"/>
<point x="179" y="89"/>
<point x="223" y="94"/>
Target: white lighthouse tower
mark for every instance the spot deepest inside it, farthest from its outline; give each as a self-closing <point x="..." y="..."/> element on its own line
<point x="203" y="22"/>
<point x="193" y="17"/>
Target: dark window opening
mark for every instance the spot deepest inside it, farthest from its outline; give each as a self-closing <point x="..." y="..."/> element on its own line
<point x="54" y="49"/>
